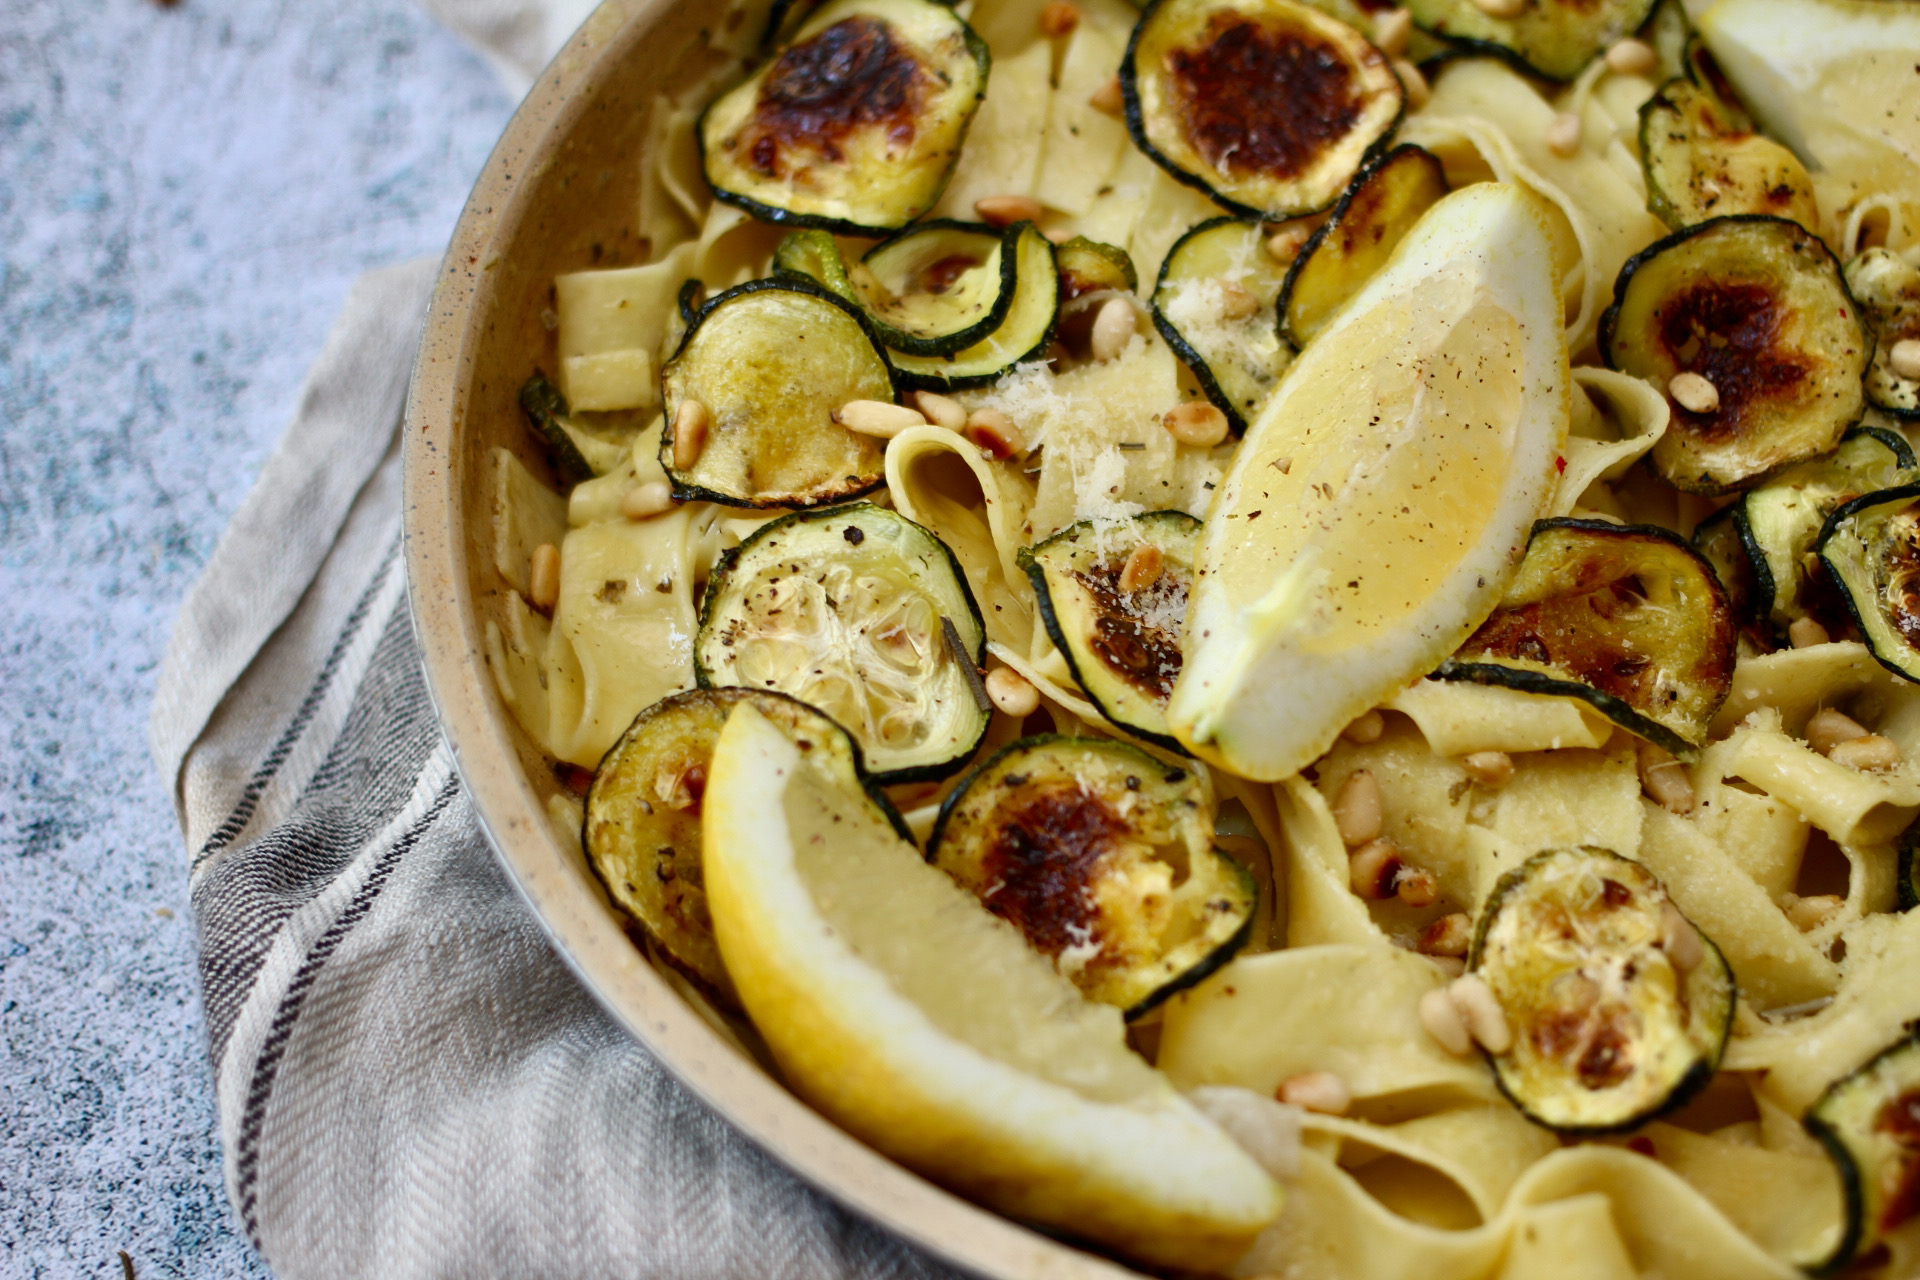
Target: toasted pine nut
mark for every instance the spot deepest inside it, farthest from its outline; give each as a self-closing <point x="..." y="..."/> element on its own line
<point x="1631" y="57"/>
<point x="691" y="422"/>
<point x="1904" y="359"/>
<point x="878" y="418"/>
<point x="1320" y="1091"/>
<point x="1501" y="8"/>
<point x="941" y="411"/>
<point x="1195" y="423"/>
<point x="1665" y="780"/>
<point x="1366" y="729"/>
<point x="1391" y="31"/>
<point x="1564" y="133"/>
<point x="1356" y="809"/>
<point x="1808" y="914"/>
<point x="1828" y="728"/>
<point x="994" y="433"/>
<point x="543" y="577"/>
<point x="1452" y="966"/>
<point x="1415" y="887"/>
<point x="1058" y="235"/>
<point x="1058" y="18"/>
<point x="1414" y="81"/>
<point x="1804" y="633"/>
<point x="1444" y="1022"/>
<point x="1237" y="302"/>
<point x="1109" y="99"/>
<point x="1285" y="244"/>
<point x="649" y="499"/>
<point x="1486" y="1020"/>
<point x="1113" y="327"/>
<point x="1374" y="869"/>
<point x="1450" y="935"/>
<point x="1488" y="768"/>
<point x="1694" y="393"/>
<point x="1871" y="754"/>
<point x="1011" y="693"/>
<point x="1680" y="940"/>
<point x="1004" y="211"/>
<point x="1142" y="568"/>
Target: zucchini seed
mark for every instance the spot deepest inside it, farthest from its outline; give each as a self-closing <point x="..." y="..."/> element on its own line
<point x="1870" y="754"/>
<point x="1694" y="393"/>
<point x="1320" y="1091"/>
<point x="543" y="577"/>
<point x="1011" y="693"/>
<point x="1630" y="57"/>
<point x="1356" y="810"/>
<point x="1828" y="728"/>
<point x="1004" y="211"/>
<point x="1804" y="633"/>
<point x="1443" y="1021"/>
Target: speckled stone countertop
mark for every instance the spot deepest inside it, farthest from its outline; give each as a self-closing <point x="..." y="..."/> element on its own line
<point x="186" y="192"/>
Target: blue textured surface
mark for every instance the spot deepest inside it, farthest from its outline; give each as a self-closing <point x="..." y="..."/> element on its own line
<point x="185" y="195"/>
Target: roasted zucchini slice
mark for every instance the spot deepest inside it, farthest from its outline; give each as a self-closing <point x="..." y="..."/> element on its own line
<point x="1088" y="266"/>
<point x="1702" y="159"/>
<point x="581" y="445"/>
<point x="1909" y="886"/>
<point x="849" y="610"/>
<point x="1554" y="38"/>
<point x="1628" y="618"/>
<point x="1870" y="550"/>
<point x="856" y="125"/>
<point x="1781" y="520"/>
<point x="1756" y="306"/>
<point x="771" y="361"/>
<point x="1619" y="1007"/>
<point x="1268" y="106"/>
<point x="938" y="286"/>
<point x="1103" y="857"/>
<point x="1386" y="199"/>
<point x="1214" y="305"/>
<point x="1022" y="334"/>
<point x="1723" y="545"/>
<point x="642" y="828"/>
<point x="1889" y="288"/>
<point x="1869" y="1122"/>
<point x="814" y="255"/>
<point x="1113" y="596"/>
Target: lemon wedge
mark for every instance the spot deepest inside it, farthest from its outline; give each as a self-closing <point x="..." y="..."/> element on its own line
<point x="1384" y="494"/>
<point x="907" y="1014"/>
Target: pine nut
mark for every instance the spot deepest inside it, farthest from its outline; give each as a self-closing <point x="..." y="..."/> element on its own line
<point x="1488" y="768"/>
<point x="691" y="422"/>
<point x="1451" y="966"/>
<point x="1804" y="633"/>
<point x="878" y="418"/>
<point x="1113" y="327"/>
<point x="543" y="577"/>
<point x="1142" y="568"/>
<point x="1486" y="1020"/>
<point x="1414" y="81"/>
<point x="1320" y="1091"/>
<point x="1366" y="729"/>
<point x="1680" y="940"/>
<point x="1450" y="935"/>
<point x="1237" y="302"/>
<point x="1828" y="728"/>
<point x="649" y="499"/>
<point x="1058" y="18"/>
<point x="1285" y="244"/>
<point x="1665" y="780"/>
<point x="1694" y="393"/>
<point x="1415" y="887"/>
<point x="994" y="434"/>
<point x="1501" y="8"/>
<point x="1195" y="423"/>
<point x="1563" y="134"/>
<point x="1011" y="693"/>
<point x="1058" y="235"/>
<point x="1808" y="914"/>
<point x="1871" y="754"/>
<point x="941" y="411"/>
<point x="1904" y="359"/>
<point x="1631" y="57"/>
<point x="1003" y="211"/>
<point x="1374" y="869"/>
<point x="1443" y="1021"/>
<point x="1356" y="809"/>
<point x="1109" y="99"/>
<point x="1391" y="31"/>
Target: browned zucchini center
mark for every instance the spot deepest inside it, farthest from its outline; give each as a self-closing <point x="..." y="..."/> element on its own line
<point x="1263" y="99"/>
<point x="1899" y="1120"/>
<point x="1124" y="635"/>
<point x="852" y="75"/>
<point x="942" y="274"/>
<point x="1730" y="334"/>
<point x="1579" y="632"/>
<point x="1903" y="572"/>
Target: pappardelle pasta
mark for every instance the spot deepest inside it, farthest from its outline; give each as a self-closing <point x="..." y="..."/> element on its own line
<point x="1372" y="555"/>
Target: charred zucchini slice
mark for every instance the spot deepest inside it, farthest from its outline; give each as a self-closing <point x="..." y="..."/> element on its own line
<point x="771" y="361"/>
<point x="1870" y="549"/>
<point x="1120" y="631"/>
<point x="939" y="286"/>
<point x="1869" y="1122"/>
<point x="1722" y="544"/>
<point x="1889" y="288"/>
<point x="856" y="125"/>
<point x="1554" y="38"/>
<point x="1756" y="306"/>
<point x="1628" y="618"/>
<point x="1268" y="106"/>
<point x="1103" y="857"/>
<point x="1088" y="266"/>
<point x="1619" y="1007"/>
<point x="1214" y="305"/>
<point x="1781" y="520"/>
<point x="581" y="448"/>
<point x="642" y="828"/>
<point x="813" y="255"/>
<point x="848" y="610"/>
<point x="1022" y="334"/>
<point x="1702" y="159"/>
<point x="1386" y="199"/>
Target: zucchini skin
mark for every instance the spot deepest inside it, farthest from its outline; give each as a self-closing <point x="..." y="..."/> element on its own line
<point x="1895" y="307"/>
<point x="1559" y="71"/>
<point x="1853" y="1179"/>
<point x="1909" y="868"/>
<point x="542" y="402"/>
<point x="1189" y="356"/>
<point x="1868" y="627"/>
<point x="931" y="379"/>
<point x="946" y="344"/>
